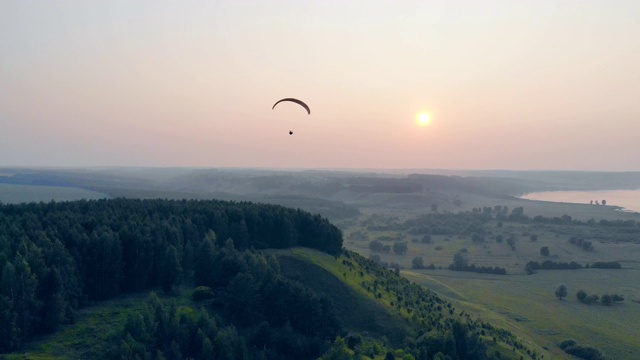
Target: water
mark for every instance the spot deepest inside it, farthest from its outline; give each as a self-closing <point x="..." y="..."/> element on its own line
<point x="629" y="200"/>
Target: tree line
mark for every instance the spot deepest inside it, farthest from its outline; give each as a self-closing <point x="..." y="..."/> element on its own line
<point x="470" y="222"/>
<point x="532" y="266"/>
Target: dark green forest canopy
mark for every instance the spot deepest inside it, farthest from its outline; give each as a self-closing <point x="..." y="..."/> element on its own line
<point x="248" y="224"/>
<point x="56" y="257"/>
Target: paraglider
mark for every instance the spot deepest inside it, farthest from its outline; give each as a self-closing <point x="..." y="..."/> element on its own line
<point x="299" y="102"/>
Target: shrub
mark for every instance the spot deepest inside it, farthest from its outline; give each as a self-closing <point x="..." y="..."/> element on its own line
<point x="544" y="251"/>
<point x="400" y="248"/>
<point x="375" y="245"/>
<point x="607" y="265"/>
<point x="585" y="352"/>
<point x="567" y="343"/>
<point x="561" y="291"/>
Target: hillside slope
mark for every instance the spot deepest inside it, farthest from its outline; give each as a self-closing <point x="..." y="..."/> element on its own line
<point x="379" y="302"/>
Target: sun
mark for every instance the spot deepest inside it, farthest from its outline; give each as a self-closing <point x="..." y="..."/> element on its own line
<point x="424" y="119"/>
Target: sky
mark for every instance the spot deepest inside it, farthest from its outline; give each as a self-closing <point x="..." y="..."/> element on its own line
<point x="522" y="85"/>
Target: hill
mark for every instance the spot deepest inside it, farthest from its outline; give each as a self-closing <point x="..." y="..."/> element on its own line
<point x="406" y="320"/>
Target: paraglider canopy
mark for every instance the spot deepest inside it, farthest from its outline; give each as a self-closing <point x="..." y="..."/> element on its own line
<point x="299" y="102"/>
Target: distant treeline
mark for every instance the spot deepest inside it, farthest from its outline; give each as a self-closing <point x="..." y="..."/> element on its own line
<point x="473" y="223"/>
<point x="552" y="265"/>
<point x="585" y="244"/>
<point x="57" y="257"/>
<point x="447" y="224"/>
<point x="606" y="299"/>
<point x="606" y="265"/>
<point x="479" y="269"/>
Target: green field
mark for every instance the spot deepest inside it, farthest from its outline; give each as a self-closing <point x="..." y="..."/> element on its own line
<point x="526" y="304"/>
<point x="15" y="194"/>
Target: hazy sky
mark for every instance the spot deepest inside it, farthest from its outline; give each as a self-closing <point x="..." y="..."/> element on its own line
<point x="508" y="84"/>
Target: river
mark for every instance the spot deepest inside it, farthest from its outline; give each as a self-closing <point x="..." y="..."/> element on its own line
<point x="629" y="200"/>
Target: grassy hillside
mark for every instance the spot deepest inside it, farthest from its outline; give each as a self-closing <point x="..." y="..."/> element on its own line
<point x="371" y="317"/>
<point x="383" y="295"/>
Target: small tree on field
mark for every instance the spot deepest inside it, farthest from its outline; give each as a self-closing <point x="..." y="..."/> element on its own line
<point x="617" y="298"/>
<point x="461" y="259"/>
<point x="561" y="291"/>
<point x="400" y="248"/>
<point x="434" y="207"/>
<point x="417" y="262"/>
<point x="544" y="251"/>
<point x="533" y="237"/>
<point x="581" y="295"/>
<point x="375" y="245"/>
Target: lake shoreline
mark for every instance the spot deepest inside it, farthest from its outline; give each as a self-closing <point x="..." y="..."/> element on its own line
<point x="620" y="200"/>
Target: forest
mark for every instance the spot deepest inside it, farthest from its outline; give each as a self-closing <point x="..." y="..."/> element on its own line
<point x="58" y="257"/>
